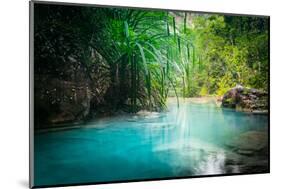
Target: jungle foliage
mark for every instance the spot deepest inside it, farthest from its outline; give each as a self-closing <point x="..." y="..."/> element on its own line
<point x="141" y="57"/>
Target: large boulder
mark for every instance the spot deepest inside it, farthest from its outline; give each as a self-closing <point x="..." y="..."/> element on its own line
<point x="246" y="99"/>
<point x="59" y="101"/>
<point x="68" y="91"/>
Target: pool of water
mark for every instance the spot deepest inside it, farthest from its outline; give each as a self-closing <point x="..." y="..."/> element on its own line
<point x="185" y="141"/>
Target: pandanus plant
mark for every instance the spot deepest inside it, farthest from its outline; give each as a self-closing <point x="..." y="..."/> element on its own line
<point x="140" y="37"/>
<point x="144" y="57"/>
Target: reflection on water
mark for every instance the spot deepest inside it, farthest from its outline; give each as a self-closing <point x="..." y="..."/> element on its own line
<point x="214" y="163"/>
<point x="185" y="141"/>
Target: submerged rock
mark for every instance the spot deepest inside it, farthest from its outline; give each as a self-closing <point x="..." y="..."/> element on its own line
<point x="245" y="99"/>
<point x="248" y="153"/>
<point x="250" y="143"/>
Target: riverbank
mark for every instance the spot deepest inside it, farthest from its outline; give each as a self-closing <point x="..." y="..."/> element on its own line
<point x="196" y="100"/>
<point x="77" y="124"/>
<point x="216" y="101"/>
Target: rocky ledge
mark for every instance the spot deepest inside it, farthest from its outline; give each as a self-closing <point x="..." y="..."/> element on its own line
<point x="246" y="99"/>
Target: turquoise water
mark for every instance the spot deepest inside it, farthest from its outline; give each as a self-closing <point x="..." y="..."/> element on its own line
<point x="185" y="141"/>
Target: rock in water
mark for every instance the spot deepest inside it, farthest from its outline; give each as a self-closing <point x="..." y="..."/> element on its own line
<point x="245" y="99"/>
<point x="249" y="143"/>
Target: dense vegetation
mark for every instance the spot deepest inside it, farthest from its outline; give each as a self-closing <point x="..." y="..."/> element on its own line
<point x="134" y="59"/>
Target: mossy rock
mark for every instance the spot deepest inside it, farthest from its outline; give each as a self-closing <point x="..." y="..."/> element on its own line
<point x="245" y="99"/>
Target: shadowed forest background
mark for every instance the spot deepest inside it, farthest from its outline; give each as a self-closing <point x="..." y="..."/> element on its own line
<point x="92" y="62"/>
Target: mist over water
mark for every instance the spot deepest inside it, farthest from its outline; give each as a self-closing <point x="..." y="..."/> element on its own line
<point x="186" y="141"/>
